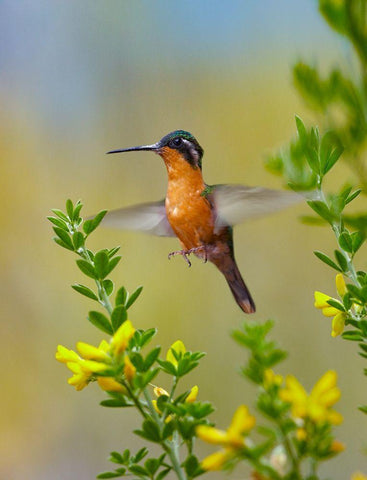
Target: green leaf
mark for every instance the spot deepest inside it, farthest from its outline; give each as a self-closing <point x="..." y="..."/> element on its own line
<point x="191" y="465"/>
<point x="341" y="260"/>
<point x="143" y="452"/>
<point x="334" y="303"/>
<point x="301" y="129"/>
<point x="138" y="470"/>
<point x="108" y="285"/>
<point x="110" y="474"/>
<point x="333" y="158"/>
<point x="363" y="409"/>
<point x="353" y="335"/>
<point x="121" y="296"/>
<point x="150" y="431"/>
<point x="321" y="209"/>
<point x="168" y="367"/>
<point x="116" y="457"/>
<point x="77" y="208"/>
<point x="100" y="321"/>
<point x="87" y="268"/>
<point x="151" y="465"/>
<point x="78" y="240"/>
<point x="133" y="297"/>
<point x="113" y="251"/>
<point x="115" y="403"/>
<point x="357" y="241"/>
<point x="313" y="159"/>
<point x="64" y="236"/>
<point x="69" y="208"/>
<point x="90" y="225"/>
<point x="151" y="358"/>
<point x="118" y="317"/>
<point x="59" y="223"/>
<point x="101" y="264"/>
<point x="87" y="292"/>
<point x="62" y="244"/>
<point x="112" y="264"/>
<point x="324" y="258"/>
<point x="353" y="196"/>
<point x="345" y="242"/>
<point x="60" y="214"/>
<point x="163" y="473"/>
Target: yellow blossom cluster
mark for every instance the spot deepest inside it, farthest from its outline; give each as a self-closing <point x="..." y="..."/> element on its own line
<point x="92" y="360"/>
<point x="232" y="439"/>
<point x="315" y="406"/>
<point x="321" y="302"/>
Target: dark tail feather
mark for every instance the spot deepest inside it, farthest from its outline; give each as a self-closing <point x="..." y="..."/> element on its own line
<point x="237" y="286"/>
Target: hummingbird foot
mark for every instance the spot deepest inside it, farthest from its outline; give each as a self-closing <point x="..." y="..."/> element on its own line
<point x="185" y="253"/>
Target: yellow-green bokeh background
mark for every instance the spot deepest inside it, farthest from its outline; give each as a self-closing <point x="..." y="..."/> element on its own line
<point x="79" y="78"/>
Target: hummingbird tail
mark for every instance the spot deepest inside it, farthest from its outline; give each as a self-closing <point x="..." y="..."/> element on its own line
<point x="238" y="287"/>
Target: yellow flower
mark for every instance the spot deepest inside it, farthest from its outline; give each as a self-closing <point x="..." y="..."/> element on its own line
<point x="321" y="302"/>
<point x="179" y="348"/>
<point x="91" y="352"/>
<point x="232" y="438"/>
<point x="82" y="369"/>
<point x="216" y="460"/>
<point x="337" y="446"/>
<point x="64" y="355"/>
<point x="301" y="434"/>
<point x="192" y="395"/>
<point x="129" y="369"/>
<point x="316" y="405"/>
<point x="341" y="288"/>
<point x="242" y="422"/>
<point x="359" y="476"/>
<point x="109" y="384"/>
<point x="80" y="379"/>
<point x="158" y="391"/>
<point x="338" y="324"/>
<point x="270" y="378"/>
<point x="121" y="338"/>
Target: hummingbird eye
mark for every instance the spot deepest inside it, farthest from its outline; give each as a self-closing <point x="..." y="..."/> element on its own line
<point x="176" y="142"/>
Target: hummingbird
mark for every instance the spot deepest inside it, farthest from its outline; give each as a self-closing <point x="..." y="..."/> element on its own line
<point x="201" y="216"/>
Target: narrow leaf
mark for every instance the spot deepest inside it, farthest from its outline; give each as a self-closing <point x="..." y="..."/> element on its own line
<point x="341" y="260"/>
<point x="119" y="315"/>
<point x="87" y="268"/>
<point x="100" y="321"/>
<point x="121" y="296"/>
<point x="133" y="297"/>
<point x="324" y="258"/>
<point x="64" y="236"/>
<point x="87" y="292"/>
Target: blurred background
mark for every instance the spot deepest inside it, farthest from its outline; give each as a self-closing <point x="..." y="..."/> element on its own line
<point x="80" y="78"/>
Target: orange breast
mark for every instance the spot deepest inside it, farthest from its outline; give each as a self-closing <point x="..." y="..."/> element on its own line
<point x="188" y="212"/>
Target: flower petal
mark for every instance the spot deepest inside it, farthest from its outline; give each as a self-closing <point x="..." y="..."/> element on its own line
<point x="178" y="347"/>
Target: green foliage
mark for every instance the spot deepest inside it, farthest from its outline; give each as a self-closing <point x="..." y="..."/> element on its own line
<point x="170" y="421"/>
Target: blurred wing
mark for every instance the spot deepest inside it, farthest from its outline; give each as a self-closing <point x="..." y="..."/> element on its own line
<point x="146" y="217"/>
<point x="237" y="203"/>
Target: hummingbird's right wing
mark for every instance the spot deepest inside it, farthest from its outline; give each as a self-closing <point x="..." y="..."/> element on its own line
<point x="145" y="217"/>
<point x="237" y="203"/>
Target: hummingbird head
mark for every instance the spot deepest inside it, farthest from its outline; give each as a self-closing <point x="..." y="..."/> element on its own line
<point x="181" y="141"/>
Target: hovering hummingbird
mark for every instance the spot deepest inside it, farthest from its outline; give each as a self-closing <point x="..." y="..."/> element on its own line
<point x="200" y="215"/>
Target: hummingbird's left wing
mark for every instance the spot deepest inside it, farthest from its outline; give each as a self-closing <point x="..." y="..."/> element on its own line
<point x="237" y="203"/>
<point x="145" y="217"/>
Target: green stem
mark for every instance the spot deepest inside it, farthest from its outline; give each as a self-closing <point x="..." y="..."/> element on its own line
<point x="134" y="398"/>
<point x="352" y="274"/>
<point x="289" y="449"/>
<point x="170" y="447"/>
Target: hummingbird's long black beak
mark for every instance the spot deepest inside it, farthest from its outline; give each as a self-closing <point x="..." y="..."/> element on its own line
<point x="153" y="148"/>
